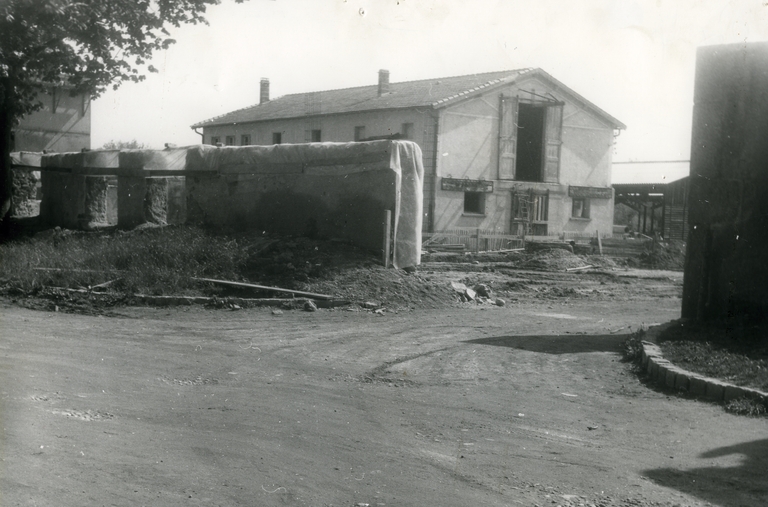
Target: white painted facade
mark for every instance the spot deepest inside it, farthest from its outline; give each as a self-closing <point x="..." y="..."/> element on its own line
<point x="462" y="140"/>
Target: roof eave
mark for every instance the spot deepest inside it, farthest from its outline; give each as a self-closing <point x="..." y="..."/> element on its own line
<point x="296" y="117"/>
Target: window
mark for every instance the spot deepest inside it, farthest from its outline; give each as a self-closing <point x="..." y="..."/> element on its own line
<point x="529" y="140"/>
<point x="580" y="208"/>
<point x="406" y="130"/>
<point x="245" y="140"/>
<point x="312" y="136"/>
<point x="474" y="202"/>
<point x="215" y="140"/>
<point x="359" y="133"/>
<point x="277" y="138"/>
<point x="530" y="206"/>
<point x="230" y="141"/>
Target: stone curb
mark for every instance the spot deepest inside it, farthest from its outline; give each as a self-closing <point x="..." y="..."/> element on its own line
<point x="666" y="373"/>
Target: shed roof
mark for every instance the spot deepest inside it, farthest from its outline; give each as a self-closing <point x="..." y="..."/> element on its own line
<point x="649" y="172"/>
<point x="432" y="93"/>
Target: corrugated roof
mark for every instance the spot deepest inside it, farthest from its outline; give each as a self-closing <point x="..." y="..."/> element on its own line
<point x="434" y="93"/>
<point x="649" y="173"/>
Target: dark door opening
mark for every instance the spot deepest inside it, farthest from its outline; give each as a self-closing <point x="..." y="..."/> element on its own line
<point x="530" y="142"/>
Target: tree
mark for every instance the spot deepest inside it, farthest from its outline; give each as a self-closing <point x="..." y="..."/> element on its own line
<point x="133" y="144"/>
<point x="85" y="45"/>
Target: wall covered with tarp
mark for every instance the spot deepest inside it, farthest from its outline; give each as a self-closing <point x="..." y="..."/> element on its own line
<point x="325" y="190"/>
<point x="330" y="190"/>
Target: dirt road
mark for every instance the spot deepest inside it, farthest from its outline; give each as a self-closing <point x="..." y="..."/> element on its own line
<point x="526" y="404"/>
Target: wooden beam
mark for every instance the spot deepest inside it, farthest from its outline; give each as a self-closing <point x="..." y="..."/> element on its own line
<point x="263" y="287"/>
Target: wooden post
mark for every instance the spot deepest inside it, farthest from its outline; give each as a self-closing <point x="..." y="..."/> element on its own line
<point x="599" y="242"/>
<point x="386" y="237"/>
<point x="477" y="245"/>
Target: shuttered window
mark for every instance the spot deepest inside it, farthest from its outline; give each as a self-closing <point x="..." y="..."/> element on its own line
<point x="552" y="140"/>
<point x="507" y="138"/>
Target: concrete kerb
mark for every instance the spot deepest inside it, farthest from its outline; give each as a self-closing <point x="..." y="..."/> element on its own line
<point x="663" y="372"/>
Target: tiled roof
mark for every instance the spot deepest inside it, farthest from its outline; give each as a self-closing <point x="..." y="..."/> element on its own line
<point x="424" y="93"/>
<point x="434" y="93"/>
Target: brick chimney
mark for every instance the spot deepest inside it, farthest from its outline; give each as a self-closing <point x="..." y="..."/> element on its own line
<point x="264" y="91"/>
<point x="383" y="82"/>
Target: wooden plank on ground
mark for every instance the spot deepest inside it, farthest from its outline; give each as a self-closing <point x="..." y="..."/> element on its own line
<point x="263" y="287"/>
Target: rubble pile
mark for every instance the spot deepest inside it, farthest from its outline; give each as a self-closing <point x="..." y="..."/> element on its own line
<point x="668" y="255"/>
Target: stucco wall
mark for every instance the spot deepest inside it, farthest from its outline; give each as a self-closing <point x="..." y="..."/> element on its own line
<point x="468" y="148"/>
<point x="63" y="128"/>
<point x="586" y="152"/>
<point x="334" y="128"/>
<point x="468" y="142"/>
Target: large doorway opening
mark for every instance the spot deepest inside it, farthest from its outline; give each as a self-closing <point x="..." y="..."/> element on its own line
<point x="530" y="142"/>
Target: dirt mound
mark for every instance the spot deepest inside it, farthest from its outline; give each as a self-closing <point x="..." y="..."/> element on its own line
<point x="553" y="260"/>
<point x="669" y="255"/>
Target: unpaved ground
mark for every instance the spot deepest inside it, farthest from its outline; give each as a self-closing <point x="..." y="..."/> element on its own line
<point x="526" y="404"/>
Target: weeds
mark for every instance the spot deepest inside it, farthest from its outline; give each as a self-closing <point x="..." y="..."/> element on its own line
<point x="154" y="261"/>
<point x="747" y="406"/>
<point x="632" y="347"/>
<point x="719" y="352"/>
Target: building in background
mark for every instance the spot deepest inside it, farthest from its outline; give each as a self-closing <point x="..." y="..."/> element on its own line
<point x="513" y="152"/>
<point x="63" y="124"/>
<point x="657" y="193"/>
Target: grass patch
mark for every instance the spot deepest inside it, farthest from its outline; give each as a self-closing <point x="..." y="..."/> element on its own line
<point x="735" y="354"/>
<point x="163" y="260"/>
<point x="153" y="261"/>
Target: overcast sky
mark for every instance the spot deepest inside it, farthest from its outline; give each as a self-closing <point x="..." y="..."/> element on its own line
<point x="633" y="59"/>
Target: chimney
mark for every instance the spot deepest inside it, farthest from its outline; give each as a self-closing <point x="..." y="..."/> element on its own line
<point x="383" y="82"/>
<point x="264" y="91"/>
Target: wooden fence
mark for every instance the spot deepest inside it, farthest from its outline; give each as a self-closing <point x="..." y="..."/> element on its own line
<point x="470" y="240"/>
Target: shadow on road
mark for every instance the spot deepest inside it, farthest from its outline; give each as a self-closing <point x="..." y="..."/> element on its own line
<point x="745" y="484"/>
<point x="558" y="344"/>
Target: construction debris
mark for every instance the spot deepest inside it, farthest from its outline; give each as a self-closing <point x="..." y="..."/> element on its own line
<point x="264" y="287"/>
<point x="580" y="268"/>
<point x="482" y="290"/>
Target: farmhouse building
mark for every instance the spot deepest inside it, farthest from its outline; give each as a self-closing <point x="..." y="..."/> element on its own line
<point x="514" y="152"/>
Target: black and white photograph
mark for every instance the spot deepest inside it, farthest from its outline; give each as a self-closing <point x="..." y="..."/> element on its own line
<point x="384" y="253"/>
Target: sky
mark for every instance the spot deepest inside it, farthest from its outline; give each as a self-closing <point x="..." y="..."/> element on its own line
<point x="635" y="59"/>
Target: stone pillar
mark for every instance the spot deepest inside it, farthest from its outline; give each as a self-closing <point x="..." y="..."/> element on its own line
<point x="95" y="213"/>
<point x="726" y="269"/>
<point x="157" y="200"/>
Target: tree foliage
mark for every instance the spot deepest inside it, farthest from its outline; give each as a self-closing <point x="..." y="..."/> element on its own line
<point x="83" y="45"/>
<point x="133" y="144"/>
